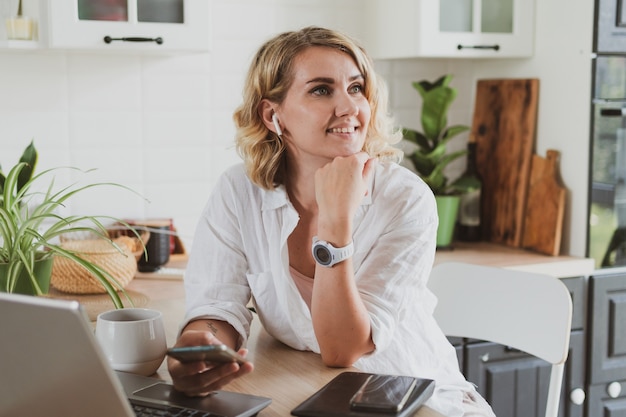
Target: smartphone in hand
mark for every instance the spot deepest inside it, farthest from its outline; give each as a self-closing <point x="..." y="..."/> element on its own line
<point x="206" y="353"/>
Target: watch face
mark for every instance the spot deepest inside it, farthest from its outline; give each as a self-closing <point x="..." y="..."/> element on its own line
<point x="322" y="254"/>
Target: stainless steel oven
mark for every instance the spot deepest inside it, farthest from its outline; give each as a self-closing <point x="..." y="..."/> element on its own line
<point x="610" y="30"/>
<point x="607" y="222"/>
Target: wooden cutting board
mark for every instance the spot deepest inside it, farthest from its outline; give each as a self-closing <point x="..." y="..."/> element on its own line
<point x="545" y="205"/>
<point x="504" y="124"/>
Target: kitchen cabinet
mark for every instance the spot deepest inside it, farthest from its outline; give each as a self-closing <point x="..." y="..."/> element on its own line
<point x="144" y="26"/>
<point x="607" y="344"/>
<point x="608" y="330"/>
<point x="162" y="26"/>
<point x="516" y="384"/>
<point x="607" y="400"/>
<point x="458" y="344"/>
<point x="449" y="28"/>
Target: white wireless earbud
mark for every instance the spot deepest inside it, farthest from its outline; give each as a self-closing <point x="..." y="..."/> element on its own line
<point x="279" y="132"/>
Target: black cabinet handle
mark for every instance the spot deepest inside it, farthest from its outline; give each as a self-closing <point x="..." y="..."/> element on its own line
<point x="108" y="39"/>
<point x="494" y="47"/>
<point x="613" y="112"/>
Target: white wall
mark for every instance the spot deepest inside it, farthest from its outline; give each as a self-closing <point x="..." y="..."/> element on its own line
<point x="162" y="125"/>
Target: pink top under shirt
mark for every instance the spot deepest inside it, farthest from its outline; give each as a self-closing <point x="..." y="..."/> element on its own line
<point x="304" y="284"/>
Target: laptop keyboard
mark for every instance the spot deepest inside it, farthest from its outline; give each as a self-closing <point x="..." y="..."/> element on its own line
<point x="142" y="410"/>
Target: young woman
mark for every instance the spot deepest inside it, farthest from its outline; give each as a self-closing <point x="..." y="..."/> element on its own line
<point x="320" y="228"/>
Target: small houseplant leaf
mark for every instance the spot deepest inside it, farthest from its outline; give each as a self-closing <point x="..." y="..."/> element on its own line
<point x="424" y="86"/>
<point x="417" y="138"/>
<point x="30" y="158"/>
<point x="452" y="131"/>
<point x="435" y="111"/>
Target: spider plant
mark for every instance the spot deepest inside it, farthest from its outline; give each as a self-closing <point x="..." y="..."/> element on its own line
<point x="31" y="232"/>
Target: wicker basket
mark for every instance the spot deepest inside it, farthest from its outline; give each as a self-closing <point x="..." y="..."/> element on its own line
<point x="70" y="277"/>
<point x="136" y="244"/>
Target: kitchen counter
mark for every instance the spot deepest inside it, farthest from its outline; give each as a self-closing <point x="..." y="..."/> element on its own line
<point x="480" y="253"/>
<point x="169" y="290"/>
<point x="491" y="254"/>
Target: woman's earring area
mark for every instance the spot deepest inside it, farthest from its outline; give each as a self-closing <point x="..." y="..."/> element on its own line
<point x="279" y="132"/>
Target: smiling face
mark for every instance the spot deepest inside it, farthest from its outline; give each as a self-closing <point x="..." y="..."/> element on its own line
<point x="325" y="112"/>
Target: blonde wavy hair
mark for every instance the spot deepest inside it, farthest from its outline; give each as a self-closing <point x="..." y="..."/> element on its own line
<point x="270" y="76"/>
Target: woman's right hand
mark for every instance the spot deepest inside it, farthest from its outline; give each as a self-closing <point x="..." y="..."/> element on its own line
<point x="198" y="379"/>
<point x="348" y="177"/>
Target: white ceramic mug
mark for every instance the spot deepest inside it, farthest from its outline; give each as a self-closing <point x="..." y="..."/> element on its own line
<point x="133" y="339"/>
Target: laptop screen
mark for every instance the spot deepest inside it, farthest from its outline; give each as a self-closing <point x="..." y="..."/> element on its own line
<point x="51" y="364"/>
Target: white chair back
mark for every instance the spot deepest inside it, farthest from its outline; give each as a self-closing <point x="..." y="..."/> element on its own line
<point x="526" y="311"/>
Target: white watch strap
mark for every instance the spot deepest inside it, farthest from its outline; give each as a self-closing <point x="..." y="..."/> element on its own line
<point x="345" y="252"/>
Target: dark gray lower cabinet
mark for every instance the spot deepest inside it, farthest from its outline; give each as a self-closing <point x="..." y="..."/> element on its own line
<point x="608" y="328"/>
<point x="516" y="384"/>
<point x="458" y="343"/>
<point x="607" y="346"/>
<point x="573" y="391"/>
<point x="602" y="404"/>
<point x="511" y="381"/>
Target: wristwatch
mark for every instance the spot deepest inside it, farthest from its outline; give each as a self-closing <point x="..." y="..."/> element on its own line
<point x="327" y="255"/>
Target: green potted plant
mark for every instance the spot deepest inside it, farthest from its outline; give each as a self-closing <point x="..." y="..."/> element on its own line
<point x="30" y="233"/>
<point x="430" y="158"/>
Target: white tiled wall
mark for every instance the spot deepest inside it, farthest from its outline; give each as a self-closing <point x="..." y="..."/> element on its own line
<point x="162" y="125"/>
<point x="141" y="121"/>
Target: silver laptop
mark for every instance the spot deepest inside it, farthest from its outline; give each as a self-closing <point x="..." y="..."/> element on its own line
<point x="52" y="365"/>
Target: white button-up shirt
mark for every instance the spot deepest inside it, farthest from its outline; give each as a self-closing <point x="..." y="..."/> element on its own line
<point x="240" y="255"/>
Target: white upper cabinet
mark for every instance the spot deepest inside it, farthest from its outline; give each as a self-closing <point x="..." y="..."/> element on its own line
<point x="450" y="28"/>
<point x="117" y="25"/>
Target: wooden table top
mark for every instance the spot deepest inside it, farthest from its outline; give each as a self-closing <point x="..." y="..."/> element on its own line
<point x="285" y="375"/>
